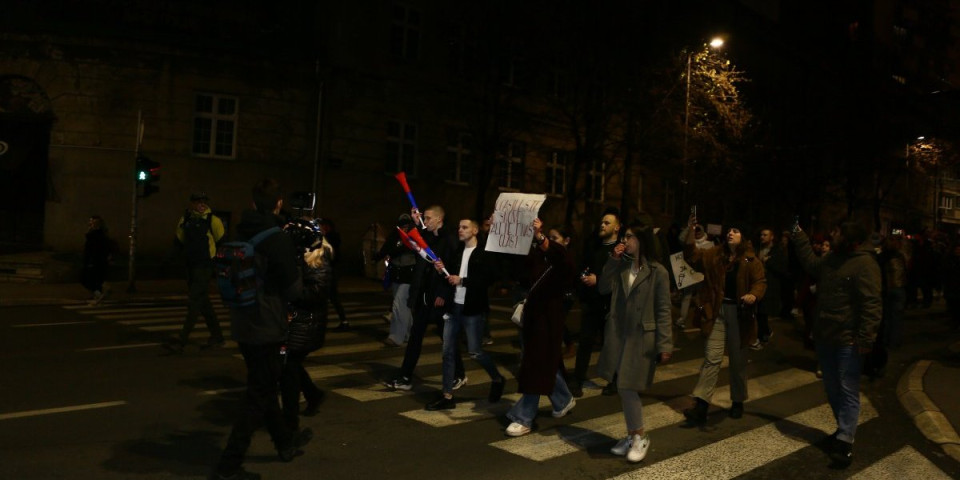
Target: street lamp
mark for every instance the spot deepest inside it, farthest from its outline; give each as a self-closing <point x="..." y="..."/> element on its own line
<point x="715" y="43"/>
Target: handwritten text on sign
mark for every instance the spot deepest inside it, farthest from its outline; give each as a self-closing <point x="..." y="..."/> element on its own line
<point x="684" y="274"/>
<point x="512" y="227"/>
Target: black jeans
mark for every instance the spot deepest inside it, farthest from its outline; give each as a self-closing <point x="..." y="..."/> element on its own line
<point x="260" y="406"/>
<point x="592" y="321"/>
<point x="198" y="284"/>
<point x="411" y="355"/>
<point x="293" y="380"/>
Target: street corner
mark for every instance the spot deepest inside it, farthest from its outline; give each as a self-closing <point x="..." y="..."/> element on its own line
<point x="927" y="414"/>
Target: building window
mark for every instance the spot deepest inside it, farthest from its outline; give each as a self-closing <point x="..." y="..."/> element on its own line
<point x="462" y="54"/>
<point x="459" y="158"/>
<point x="946" y="202"/>
<point x="401" y="148"/>
<point x="596" y="181"/>
<point x="511" y="166"/>
<point x="557" y="174"/>
<point x="405" y="32"/>
<point x="215" y="125"/>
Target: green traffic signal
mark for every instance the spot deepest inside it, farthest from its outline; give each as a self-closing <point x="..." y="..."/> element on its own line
<point x="148" y="176"/>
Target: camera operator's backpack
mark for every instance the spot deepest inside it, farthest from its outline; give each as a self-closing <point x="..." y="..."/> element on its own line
<point x="196" y="243"/>
<point x="237" y="276"/>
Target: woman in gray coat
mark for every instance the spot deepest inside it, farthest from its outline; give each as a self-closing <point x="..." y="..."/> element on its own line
<point x="638" y="335"/>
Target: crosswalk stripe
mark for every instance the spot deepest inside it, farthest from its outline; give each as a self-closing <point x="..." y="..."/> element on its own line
<point x="749" y="450"/>
<point x="583" y="435"/>
<point x="141" y="314"/>
<point x="905" y="463"/>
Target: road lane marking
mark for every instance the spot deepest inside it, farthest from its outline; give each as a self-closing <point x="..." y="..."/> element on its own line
<point x="120" y="347"/>
<point x="29" y="325"/>
<point x="568" y="439"/>
<point x="903" y="464"/>
<point x="49" y="411"/>
<point x="751" y="449"/>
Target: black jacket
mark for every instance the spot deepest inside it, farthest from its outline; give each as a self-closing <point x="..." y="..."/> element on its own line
<point x="477" y="282"/>
<point x="277" y="265"/>
<point x="427" y="284"/>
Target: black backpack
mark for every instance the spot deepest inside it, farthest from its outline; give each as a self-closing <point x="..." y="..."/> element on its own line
<point x="196" y="244"/>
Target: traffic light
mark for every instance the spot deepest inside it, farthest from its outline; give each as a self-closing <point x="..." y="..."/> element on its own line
<point x="148" y="176"/>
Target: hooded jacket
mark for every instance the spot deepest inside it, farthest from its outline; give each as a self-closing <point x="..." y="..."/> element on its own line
<point x="277" y="265"/>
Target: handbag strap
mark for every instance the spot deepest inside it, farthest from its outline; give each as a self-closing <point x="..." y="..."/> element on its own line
<point x="545" y="272"/>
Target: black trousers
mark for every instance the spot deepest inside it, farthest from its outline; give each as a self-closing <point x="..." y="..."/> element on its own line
<point x="198" y="284"/>
<point x="421" y="318"/>
<point x="294" y="379"/>
<point x="592" y="322"/>
<point x="260" y="406"/>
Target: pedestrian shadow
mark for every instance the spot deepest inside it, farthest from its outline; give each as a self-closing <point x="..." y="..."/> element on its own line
<point x="178" y="454"/>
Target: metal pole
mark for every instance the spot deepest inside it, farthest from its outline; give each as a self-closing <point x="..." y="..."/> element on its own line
<point x="131" y="264"/>
<point x="318" y="199"/>
<point x="686" y="132"/>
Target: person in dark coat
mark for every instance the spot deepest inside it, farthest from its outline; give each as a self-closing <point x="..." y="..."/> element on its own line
<point x="96" y="256"/>
<point x="541" y="365"/>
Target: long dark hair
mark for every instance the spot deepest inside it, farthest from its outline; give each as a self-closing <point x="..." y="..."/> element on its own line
<point x="645" y="239"/>
<point x="741" y="249"/>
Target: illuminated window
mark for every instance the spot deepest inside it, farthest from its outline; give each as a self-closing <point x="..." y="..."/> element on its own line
<point x="596" y="181"/>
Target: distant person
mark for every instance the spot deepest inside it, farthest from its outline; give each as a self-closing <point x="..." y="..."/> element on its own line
<point x="97" y="251"/>
<point x="401" y="261"/>
<point x="198" y="231"/>
<point x="330" y="233"/>
<point x="774" y="257"/>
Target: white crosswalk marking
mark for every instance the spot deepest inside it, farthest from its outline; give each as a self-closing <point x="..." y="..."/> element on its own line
<point x="580" y="436"/>
<point x="749" y="450"/>
<point x="904" y="464"/>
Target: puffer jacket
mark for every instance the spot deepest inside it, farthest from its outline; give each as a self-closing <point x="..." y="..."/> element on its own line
<point x="849" y="307"/>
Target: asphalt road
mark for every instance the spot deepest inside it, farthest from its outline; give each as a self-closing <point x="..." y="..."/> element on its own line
<point x="87" y="393"/>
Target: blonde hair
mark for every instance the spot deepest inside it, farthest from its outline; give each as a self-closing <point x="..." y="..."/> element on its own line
<point x="316" y="257"/>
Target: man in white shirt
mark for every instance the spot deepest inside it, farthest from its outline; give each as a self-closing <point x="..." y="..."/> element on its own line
<point x="466" y="312"/>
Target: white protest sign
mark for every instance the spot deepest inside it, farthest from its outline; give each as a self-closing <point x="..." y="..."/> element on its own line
<point x="684" y="274"/>
<point x="512" y="227"/>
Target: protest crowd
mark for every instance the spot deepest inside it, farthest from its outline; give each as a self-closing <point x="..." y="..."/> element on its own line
<point x="637" y="287"/>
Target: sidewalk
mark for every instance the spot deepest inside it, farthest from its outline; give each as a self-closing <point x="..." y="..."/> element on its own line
<point x="928" y="391"/>
<point x="39" y="294"/>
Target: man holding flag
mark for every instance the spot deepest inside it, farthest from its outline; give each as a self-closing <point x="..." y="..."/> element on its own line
<point x="427" y="293"/>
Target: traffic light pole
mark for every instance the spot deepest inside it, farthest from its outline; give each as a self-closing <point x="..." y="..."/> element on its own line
<point x="131" y="264"/>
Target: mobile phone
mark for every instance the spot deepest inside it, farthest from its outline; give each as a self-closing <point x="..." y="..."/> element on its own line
<point x="693" y="210"/>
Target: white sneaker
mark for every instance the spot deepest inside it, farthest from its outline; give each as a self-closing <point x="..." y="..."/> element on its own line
<point x="459" y="382"/>
<point x="621" y="448"/>
<point x="517" y="430"/>
<point x="563" y="412"/>
<point x="680" y="323"/>
<point x="638" y="449"/>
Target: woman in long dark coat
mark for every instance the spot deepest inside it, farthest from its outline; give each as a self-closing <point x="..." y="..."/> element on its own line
<point x="541" y="366"/>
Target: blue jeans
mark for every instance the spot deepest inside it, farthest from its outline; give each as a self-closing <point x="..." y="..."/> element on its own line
<point x="841" y="380"/>
<point x="525" y="410"/>
<point x="472" y="325"/>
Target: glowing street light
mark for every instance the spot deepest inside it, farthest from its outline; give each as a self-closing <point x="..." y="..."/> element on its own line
<point x="715" y="43"/>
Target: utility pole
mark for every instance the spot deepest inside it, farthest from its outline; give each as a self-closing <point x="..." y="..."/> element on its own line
<point x="131" y="265"/>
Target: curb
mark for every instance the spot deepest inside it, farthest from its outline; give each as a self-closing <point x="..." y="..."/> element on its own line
<point x="926" y="415"/>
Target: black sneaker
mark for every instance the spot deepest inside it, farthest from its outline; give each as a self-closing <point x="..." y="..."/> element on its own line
<point x="736" y="411"/>
<point x="576" y="388"/>
<point x="697" y="414"/>
<point x="238" y="475"/>
<point x="313" y="406"/>
<point x="841" y="454"/>
<point x="496" y="390"/>
<point x="399" y="383"/>
<point x="442" y="403"/>
<point x="609" y="389"/>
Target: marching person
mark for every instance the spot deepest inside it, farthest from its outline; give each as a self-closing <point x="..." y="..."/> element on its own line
<point x="733" y="283"/>
<point x="541" y="364"/>
<point x="198" y="231"/>
<point x="638" y="334"/>
<point x="847" y="317"/>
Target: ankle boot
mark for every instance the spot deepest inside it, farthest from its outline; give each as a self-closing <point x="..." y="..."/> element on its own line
<point x="697" y="414"/>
